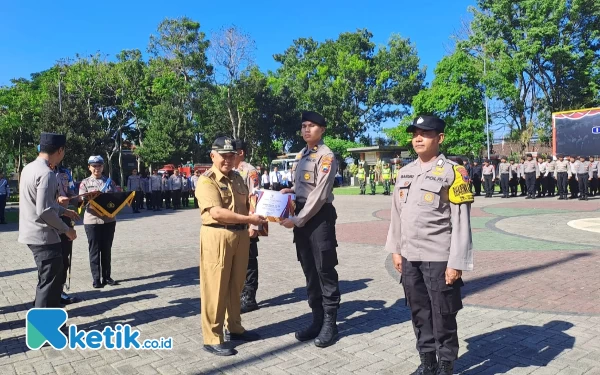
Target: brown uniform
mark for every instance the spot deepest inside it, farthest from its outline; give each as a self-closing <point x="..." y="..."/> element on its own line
<point x="223" y="253"/>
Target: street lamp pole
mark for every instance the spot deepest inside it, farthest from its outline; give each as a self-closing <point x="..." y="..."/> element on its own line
<point x="487" y="118"/>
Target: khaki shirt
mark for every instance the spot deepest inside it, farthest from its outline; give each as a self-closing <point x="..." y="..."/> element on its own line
<point x="314" y="175"/>
<point x="92" y="184"/>
<point x="250" y="176"/>
<point x="530" y="166"/>
<point x="431" y="209"/>
<point x="562" y="166"/>
<point x="217" y="190"/>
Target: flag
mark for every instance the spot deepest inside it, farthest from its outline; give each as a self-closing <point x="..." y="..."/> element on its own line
<point x="109" y="204"/>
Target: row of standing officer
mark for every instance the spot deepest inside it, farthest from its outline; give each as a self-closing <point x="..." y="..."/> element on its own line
<point x="174" y="189"/>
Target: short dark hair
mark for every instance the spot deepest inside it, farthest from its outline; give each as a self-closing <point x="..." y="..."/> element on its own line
<point x="241" y="146"/>
<point x="50" y="149"/>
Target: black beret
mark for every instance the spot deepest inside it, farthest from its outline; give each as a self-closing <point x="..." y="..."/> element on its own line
<point x="427" y="123"/>
<point x="529" y="155"/>
<point x="560" y="155"/>
<point x="224" y="145"/>
<point x="52" y="139"/>
<point x="314" y="117"/>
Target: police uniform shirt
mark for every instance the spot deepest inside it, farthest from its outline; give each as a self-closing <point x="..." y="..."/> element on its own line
<point x="542" y="167"/>
<point x="39" y="211"/>
<point x="430" y="218"/>
<point x="175" y="183"/>
<point x="489" y="170"/>
<point x="530" y="166"/>
<point x="515" y="170"/>
<point x="550" y="167"/>
<point x="503" y="168"/>
<point x="92" y="184"/>
<point x="574" y="166"/>
<point x="194" y="181"/>
<point x="218" y="190"/>
<point x="584" y="168"/>
<point x="594" y="166"/>
<point x="155" y="183"/>
<point x="134" y="183"/>
<point x="185" y="184"/>
<point x="250" y="176"/>
<point x="314" y="181"/>
<point x="562" y="166"/>
<point x="166" y="183"/>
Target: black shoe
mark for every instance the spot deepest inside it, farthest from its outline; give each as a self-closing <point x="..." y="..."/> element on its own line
<point x="445" y="368"/>
<point x="65" y="299"/>
<point x="97" y="284"/>
<point x="329" y="330"/>
<point x="428" y="366"/>
<point x="313" y="330"/>
<point x="560" y="198"/>
<point x="528" y="197"/>
<point x="220" y="349"/>
<point x="245" y="336"/>
<point x="248" y="301"/>
<point x="109" y="281"/>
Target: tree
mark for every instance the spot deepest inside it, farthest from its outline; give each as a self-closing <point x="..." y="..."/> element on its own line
<point x="355" y="86"/>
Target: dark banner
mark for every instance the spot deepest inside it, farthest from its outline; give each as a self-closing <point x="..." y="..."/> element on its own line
<point x="577" y="133"/>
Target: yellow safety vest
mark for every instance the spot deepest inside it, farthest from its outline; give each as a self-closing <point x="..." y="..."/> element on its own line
<point x="360" y="174"/>
<point x="386" y="173"/>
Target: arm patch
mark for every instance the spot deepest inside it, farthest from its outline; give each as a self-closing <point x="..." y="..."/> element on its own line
<point x="460" y="190"/>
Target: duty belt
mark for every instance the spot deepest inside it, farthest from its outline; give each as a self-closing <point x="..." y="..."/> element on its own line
<point x="229" y="227"/>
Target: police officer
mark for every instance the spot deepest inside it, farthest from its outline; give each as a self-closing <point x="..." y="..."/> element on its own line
<point x="361" y="176"/>
<point x="135" y="183"/>
<point x="175" y="185"/>
<point x="40" y="224"/>
<point x="531" y="171"/>
<point x="594" y="181"/>
<point x="185" y="190"/>
<point x="372" y="181"/>
<point x="584" y="175"/>
<point x="194" y="185"/>
<point x="489" y="176"/>
<point x="476" y="173"/>
<point x="573" y="183"/>
<point x="100" y="230"/>
<point x="522" y="182"/>
<point x="430" y="242"/>
<point x="549" y="177"/>
<point x="504" y="172"/>
<point x="4" y="194"/>
<point x="314" y="230"/>
<point x="386" y="174"/>
<point x="562" y="174"/>
<point x="224" y="243"/>
<point x="515" y="174"/>
<point x="252" y="180"/>
<point x="166" y="190"/>
<point x="155" y="185"/>
<point x="540" y="182"/>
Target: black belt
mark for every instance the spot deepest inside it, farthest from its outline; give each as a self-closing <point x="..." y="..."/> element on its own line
<point x="230" y="227"/>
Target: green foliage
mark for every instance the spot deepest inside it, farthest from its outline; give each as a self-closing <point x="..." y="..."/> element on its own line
<point x="340" y="146"/>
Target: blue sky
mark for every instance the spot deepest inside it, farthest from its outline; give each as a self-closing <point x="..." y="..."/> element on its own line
<point x="35" y="34"/>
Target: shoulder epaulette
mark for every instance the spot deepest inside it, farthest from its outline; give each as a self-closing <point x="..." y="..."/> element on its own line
<point x="208" y="173"/>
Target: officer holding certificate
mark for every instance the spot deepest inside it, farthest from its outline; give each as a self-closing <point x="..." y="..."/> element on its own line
<point x="314" y="230"/>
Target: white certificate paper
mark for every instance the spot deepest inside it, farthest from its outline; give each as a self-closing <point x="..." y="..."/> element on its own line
<point x="274" y="205"/>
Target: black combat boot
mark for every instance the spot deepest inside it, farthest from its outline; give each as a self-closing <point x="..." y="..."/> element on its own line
<point x="560" y="198"/>
<point x="313" y="330"/>
<point x="445" y="368"/>
<point x="329" y="331"/>
<point x="428" y="365"/>
<point x="248" y="301"/>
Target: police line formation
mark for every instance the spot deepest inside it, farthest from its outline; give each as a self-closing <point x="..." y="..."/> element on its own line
<point x="429" y="236"/>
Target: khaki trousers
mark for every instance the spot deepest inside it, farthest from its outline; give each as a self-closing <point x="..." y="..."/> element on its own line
<point x="223" y="264"/>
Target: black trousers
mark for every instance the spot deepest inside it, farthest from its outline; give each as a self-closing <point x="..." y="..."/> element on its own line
<point x="530" y="180"/>
<point x="573" y="186"/>
<point x="148" y="197"/>
<point x="67" y="252"/>
<point x="316" y="250"/>
<point x="504" y="184"/>
<point x="167" y="197"/>
<point x="156" y="199"/>
<point x="137" y="200"/>
<point x="276" y="186"/>
<point x="594" y="184"/>
<point x="185" y="198"/>
<point x="2" y="208"/>
<point x="49" y="262"/>
<point x="100" y="239"/>
<point x="561" y="180"/>
<point x="550" y="184"/>
<point x="477" y="185"/>
<point x="433" y="306"/>
<point x="195" y="199"/>
<point x="584" y="182"/>
<point x="513" y="183"/>
<point x="176" y="198"/>
<point x="488" y="184"/>
<point x="538" y="185"/>
<point x="252" y="271"/>
<point x="523" y="185"/>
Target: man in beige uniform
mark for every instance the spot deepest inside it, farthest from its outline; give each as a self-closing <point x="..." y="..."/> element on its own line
<point x="431" y="245"/>
<point x="224" y="242"/>
<point x="562" y="174"/>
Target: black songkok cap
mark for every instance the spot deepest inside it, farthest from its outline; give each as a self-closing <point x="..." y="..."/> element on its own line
<point x="314" y="117"/>
<point x="52" y="139"/>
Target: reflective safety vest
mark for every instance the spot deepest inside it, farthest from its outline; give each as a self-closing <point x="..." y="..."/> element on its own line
<point x="386" y="173"/>
<point x="360" y="174"/>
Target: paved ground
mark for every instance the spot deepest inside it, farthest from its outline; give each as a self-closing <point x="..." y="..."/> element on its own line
<point x="532" y="304"/>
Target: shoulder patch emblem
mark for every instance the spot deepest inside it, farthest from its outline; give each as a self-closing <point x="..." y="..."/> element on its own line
<point x="460" y="190"/>
<point x="326" y="163"/>
<point x="208" y="173"/>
